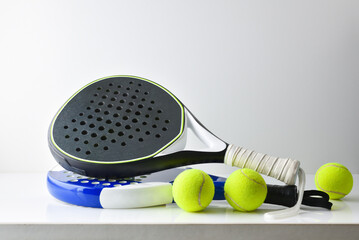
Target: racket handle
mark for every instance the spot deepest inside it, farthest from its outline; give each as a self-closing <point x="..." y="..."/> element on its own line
<point x="283" y="169"/>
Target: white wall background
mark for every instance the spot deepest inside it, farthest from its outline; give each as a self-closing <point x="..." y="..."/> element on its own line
<point x="280" y="77"/>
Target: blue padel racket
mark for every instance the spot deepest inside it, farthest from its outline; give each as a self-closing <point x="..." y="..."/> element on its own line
<point x="152" y="190"/>
<point x="124" y="126"/>
<point x="134" y="192"/>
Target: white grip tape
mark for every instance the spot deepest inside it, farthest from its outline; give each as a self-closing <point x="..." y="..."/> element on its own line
<point x="283" y="169"/>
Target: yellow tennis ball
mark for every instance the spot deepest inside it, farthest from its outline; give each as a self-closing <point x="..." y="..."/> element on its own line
<point x="193" y="190"/>
<point x="334" y="179"/>
<point x="245" y="190"/>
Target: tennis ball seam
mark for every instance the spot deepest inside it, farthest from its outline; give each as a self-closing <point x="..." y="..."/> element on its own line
<point x="252" y="179"/>
<point x="235" y="202"/>
<point x="320" y="187"/>
<point x="200" y="190"/>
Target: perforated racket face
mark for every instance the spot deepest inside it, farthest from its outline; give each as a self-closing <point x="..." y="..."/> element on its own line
<point x="116" y="119"/>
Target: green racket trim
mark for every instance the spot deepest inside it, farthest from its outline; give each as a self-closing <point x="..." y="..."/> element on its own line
<point x="123" y="161"/>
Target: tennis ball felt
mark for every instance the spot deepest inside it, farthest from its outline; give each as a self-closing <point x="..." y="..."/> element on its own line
<point x="193" y="190"/>
<point x="334" y="179"/>
<point x="245" y="190"/>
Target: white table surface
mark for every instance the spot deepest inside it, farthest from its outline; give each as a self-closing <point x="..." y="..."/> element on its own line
<point x="28" y="210"/>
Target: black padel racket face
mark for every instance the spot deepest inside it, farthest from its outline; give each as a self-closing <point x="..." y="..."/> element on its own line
<point x="117" y="119"/>
<point x="123" y="126"/>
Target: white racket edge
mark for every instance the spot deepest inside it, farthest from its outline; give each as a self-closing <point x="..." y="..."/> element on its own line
<point x="137" y="196"/>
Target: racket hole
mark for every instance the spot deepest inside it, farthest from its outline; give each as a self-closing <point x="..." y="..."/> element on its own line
<point x="140" y="139"/>
<point x="84" y="132"/>
<point x="157" y="118"/>
<point x="82" y="123"/>
<point x="115" y="92"/>
<point x="144" y="123"/>
<point x="67" y="136"/>
<point x="118" y="124"/>
<point x="150" y="109"/>
<point x="139" y="85"/>
<point x="101" y="103"/>
<point x="134" y="97"/>
<point x="140" y="106"/>
<point x="128" y="88"/>
<point x="92" y="101"/>
<point x="78" y="149"/>
<point x="146" y="93"/>
<point x="111" y="84"/>
<point x="130" y="136"/>
<point x="95" y="145"/>
<point x="147" y="133"/>
<point x="89" y="116"/>
<point x="92" y="125"/>
<point x="122" y="101"/>
<point x="164" y="129"/>
<point x="106" y="113"/>
<point x="113" y="99"/>
<point x="66" y="127"/>
<point x="119" y="108"/>
<point x="86" y="142"/>
<point x="134" y="120"/>
<point x="110" y="105"/>
<point x="116" y="115"/>
<point x="143" y="99"/>
<point x="137" y="129"/>
<point x="93" y="135"/>
<point x="167" y="121"/>
<point x="128" y="110"/>
<point x="103" y="138"/>
<point x="81" y="114"/>
<point x="95" y="95"/>
<point x="125" y="94"/>
<point x="73" y="120"/>
<point x="159" y="111"/>
<point x="121" y="134"/>
<point x="137" y="91"/>
<point x="131" y="104"/>
<point x="131" y="82"/>
<point x="123" y="144"/>
<point x="99" y="119"/>
<point x="153" y="102"/>
<point x="128" y="127"/>
<point x="88" y="152"/>
<point x="111" y="131"/>
<point x="108" y="90"/>
<point x="125" y="118"/>
<point x="97" y="110"/>
<point x="138" y="113"/>
<point x="101" y="128"/>
<point x="158" y="135"/>
<point x="76" y="139"/>
<point x="75" y="129"/>
<point x="88" y="108"/>
<point x="119" y="86"/>
<point x="108" y="121"/>
<point x="113" y="140"/>
<point x="99" y="88"/>
<point x="147" y="115"/>
<point x="105" y="148"/>
<point x="154" y="126"/>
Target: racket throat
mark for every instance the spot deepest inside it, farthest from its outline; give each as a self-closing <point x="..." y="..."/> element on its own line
<point x="195" y="138"/>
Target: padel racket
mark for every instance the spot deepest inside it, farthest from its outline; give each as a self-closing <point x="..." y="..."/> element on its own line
<point x="124" y="126"/>
<point x="152" y="190"/>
